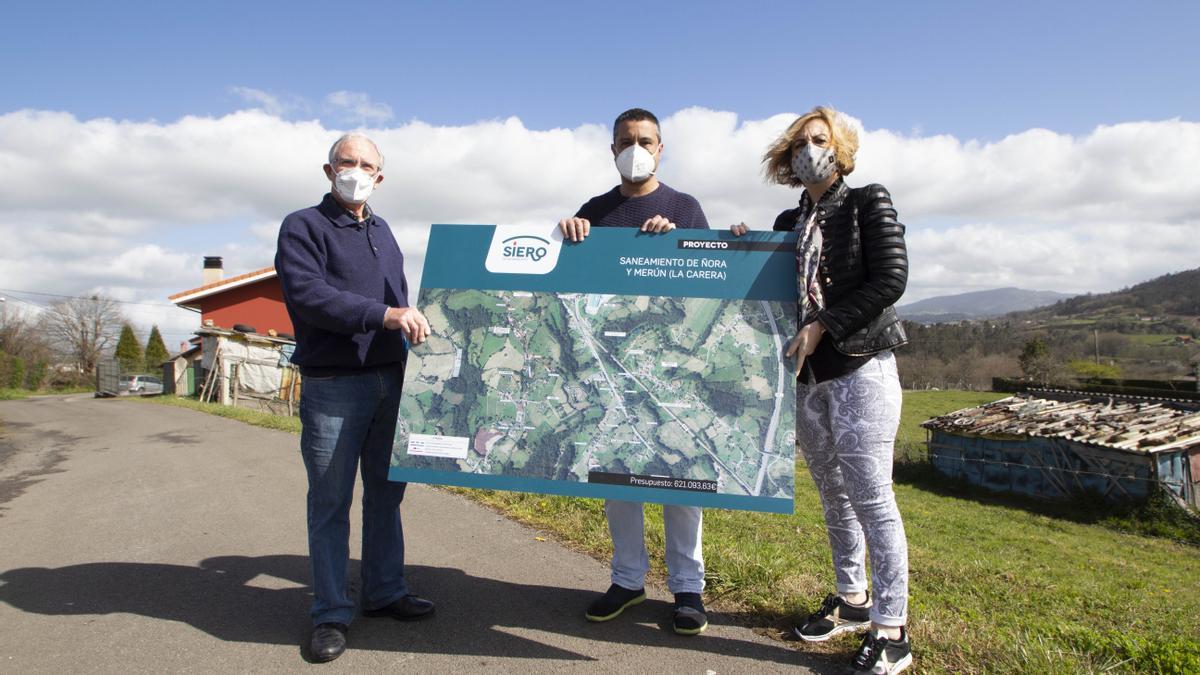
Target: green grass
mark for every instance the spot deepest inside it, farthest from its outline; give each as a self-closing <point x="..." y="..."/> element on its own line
<point x="997" y="584"/>
<point x="8" y="394"/>
<point x="922" y="405"/>
<point x="1152" y="339"/>
<point x="254" y="417"/>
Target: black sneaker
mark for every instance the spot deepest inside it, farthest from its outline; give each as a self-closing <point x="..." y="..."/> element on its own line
<point x="880" y="656"/>
<point x="836" y="616"/>
<point x="689" y="618"/>
<point x="613" y="602"/>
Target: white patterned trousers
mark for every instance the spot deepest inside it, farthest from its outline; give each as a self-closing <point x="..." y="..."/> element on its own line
<point x="846" y="429"/>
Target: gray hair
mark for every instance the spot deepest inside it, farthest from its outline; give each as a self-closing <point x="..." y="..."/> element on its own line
<point x="353" y="135"/>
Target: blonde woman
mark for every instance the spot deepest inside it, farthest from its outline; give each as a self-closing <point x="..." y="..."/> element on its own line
<point x="852" y="266"/>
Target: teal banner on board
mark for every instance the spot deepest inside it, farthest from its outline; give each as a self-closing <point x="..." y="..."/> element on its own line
<point x="634" y="366"/>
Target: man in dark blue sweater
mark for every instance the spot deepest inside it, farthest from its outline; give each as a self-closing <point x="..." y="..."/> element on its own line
<point x="642" y="201"/>
<point x="343" y="281"/>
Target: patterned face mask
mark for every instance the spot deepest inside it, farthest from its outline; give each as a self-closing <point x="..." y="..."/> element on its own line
<point x="813" y="165"/>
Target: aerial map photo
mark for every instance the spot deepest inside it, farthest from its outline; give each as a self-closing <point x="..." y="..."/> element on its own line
<point x="676" y="393"/>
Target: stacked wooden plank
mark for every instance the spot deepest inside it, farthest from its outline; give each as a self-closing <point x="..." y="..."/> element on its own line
<point x="1134" y="426"/>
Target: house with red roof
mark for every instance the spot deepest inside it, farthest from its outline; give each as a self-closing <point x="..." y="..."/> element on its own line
<point x="244" y="341"/>
<point x="251" y="300"/>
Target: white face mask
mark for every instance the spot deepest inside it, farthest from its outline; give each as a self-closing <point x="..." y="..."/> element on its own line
<point x="635" y="163"/>
<point x="812" y="164"/>
<point x="354" y="186"/>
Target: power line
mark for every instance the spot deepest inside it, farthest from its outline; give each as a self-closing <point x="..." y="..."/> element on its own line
<point x="84" y="297"/>
<point x="21" y="300"/>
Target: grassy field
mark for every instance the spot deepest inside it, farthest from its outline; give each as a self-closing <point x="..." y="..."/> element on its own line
<point x="997" y="584"/>
<point x="922" y="405"/>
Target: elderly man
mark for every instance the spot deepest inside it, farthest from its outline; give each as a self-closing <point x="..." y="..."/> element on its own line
<point x="343" y="281"/>
<point x="642" y="201"/>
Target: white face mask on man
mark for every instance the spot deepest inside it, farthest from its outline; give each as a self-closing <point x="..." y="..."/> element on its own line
<point x="635" y="163"/>
<point x="354" y="186"/>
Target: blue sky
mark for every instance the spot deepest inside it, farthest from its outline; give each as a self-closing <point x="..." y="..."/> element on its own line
<point x="973" y="70"/>
<point x="1050" y="145"/>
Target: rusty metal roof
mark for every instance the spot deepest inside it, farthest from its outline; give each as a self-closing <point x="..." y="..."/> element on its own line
<point x="1132" y="426"/>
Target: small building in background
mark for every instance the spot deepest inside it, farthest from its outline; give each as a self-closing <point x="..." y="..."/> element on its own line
<point x="248" y="370"/>
<point x="179" y="371"/>
<point x="1067" y="445"/>
<point x="243" y="348"/>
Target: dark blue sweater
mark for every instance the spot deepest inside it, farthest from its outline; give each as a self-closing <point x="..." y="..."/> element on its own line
<point x="339" y="276"/>
<point x="613" y="209"/>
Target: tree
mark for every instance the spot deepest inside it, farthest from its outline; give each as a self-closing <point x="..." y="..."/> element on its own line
<point x="19" y="334"/>
<point x="82" y="329"/>
<point x="129" y="351"/>
<point x="156" y="351"/>
<point x="1036" y="362"/>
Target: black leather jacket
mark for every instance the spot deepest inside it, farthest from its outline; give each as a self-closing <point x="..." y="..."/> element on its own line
<point x="864" y="266"/>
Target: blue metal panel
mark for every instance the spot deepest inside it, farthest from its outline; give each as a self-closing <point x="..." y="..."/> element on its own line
<point x="1052" y="468"/>
<point x="1173" y="471"/>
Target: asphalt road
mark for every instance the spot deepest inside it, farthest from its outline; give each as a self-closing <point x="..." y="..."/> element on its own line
<point x="144" y="538"/>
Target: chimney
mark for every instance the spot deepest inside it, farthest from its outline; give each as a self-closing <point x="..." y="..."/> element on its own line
<point x="213" y="270"/>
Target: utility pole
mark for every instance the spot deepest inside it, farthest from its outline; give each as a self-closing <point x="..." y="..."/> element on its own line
<point x="1096" y="335"/>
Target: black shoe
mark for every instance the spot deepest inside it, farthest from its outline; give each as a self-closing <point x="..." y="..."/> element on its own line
<point x="835" y="616"/>
<point x="880" y="656"/>
<point x="407" y="608"/>
<point x="328" y="641"/>
<point x="613" y="602"/>
<point x="689" y="618"/>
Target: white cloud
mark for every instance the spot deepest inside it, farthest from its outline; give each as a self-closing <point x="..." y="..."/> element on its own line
<point x="358" y="107"/>
<point x="129" y="208"/>
<point x="268" y="103"/>
<point x="1072" y="258"/>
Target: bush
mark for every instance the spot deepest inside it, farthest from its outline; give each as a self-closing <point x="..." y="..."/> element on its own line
<point x="36" y="377"/>
<point x="16" y="373"/>
<point x="12" y="371"/>
<point x="1084" y="369"/>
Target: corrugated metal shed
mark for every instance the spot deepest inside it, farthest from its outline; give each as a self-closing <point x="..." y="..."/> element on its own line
<point x="1116" y="448"/>
<point x="1132" y="426"/>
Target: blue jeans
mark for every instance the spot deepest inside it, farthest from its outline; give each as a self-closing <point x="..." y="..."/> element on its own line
<point x="347" y="418"/>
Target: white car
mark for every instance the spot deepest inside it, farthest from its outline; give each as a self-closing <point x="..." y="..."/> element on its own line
<point x="140" y="384"/>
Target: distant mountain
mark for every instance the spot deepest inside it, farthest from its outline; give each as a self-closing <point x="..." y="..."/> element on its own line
<point x="977" y="305"/>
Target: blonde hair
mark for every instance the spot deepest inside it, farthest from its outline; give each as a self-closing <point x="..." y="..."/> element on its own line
<point x="843" y="137"/>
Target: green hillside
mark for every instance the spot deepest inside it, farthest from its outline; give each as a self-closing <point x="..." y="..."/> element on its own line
<point x="1160" y="299"/>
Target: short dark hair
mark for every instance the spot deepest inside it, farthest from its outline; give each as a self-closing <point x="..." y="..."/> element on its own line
<point x="636" y="115"/>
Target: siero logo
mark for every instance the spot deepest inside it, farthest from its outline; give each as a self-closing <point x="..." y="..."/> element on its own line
<point x="516" y="249"/>
<point x="524" y="246"/>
